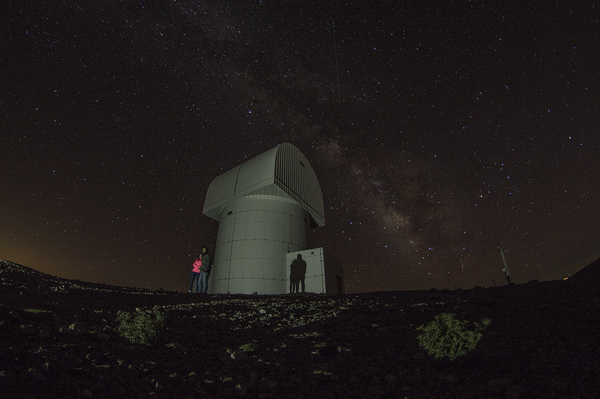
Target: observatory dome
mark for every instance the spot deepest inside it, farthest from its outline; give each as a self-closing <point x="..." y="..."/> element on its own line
<point x="282" y="172"/>
<point x="265" y="208"/>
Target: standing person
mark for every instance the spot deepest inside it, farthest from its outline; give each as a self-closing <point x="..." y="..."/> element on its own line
<point x="297" y="274"/>
<point x="195" y="273"/>
<point x="294" y="279"/>
<point x="302" y="272"/>
<point x="205" y="270"/>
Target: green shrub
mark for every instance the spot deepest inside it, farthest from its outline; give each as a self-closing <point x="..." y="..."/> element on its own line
<point x="141" y="326"/>
<point x="248" y="347"/>
<point x="447" y="336"/>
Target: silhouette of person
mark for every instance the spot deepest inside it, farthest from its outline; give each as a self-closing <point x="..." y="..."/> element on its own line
<point x="293" y="277"/>
<point x="297" y="274"/>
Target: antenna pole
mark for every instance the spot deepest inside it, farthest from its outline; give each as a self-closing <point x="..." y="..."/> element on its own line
<point x="505" y="270"/>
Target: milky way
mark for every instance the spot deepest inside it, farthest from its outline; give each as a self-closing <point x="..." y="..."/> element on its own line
<point x="438" y="133"/>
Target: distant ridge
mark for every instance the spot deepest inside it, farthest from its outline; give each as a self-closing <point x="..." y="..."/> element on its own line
<point x="588" y="274"/>
<point x="27" y="279"/>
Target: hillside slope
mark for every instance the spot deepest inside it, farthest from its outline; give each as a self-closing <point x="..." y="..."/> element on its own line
<point x="61" y="338"/>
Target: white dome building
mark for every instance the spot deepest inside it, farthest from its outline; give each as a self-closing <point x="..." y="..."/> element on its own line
<point x="265" y="208"/>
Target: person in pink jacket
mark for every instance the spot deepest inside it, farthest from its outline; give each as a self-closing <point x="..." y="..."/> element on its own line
<point x="195" y="273"/>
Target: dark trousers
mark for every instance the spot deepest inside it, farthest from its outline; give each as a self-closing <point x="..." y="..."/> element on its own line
<point x="193" y="280"/>
<point x="203" y="282"/>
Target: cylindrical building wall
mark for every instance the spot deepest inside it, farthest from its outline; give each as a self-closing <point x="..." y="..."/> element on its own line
<point x="255" y="234"/>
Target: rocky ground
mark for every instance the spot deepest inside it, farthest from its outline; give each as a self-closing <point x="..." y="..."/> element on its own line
<point x="61" y="338"/>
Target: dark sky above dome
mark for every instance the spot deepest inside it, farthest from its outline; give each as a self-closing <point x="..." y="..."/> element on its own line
<point x="438" y="131"/>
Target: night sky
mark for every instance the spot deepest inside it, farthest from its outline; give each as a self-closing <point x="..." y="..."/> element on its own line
<point x="438" y="132"/>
